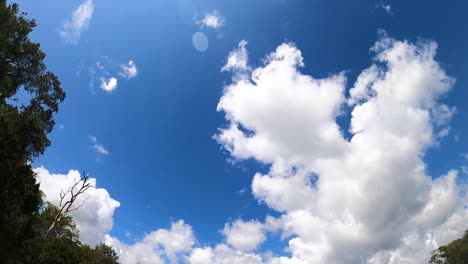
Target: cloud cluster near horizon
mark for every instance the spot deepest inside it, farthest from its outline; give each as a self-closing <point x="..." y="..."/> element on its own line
<point x="178" y="243"/>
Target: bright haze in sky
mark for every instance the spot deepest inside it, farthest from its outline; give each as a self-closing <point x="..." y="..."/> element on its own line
<point x="271" y="131"/>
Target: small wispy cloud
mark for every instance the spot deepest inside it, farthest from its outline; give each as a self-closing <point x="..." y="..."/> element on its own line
<point x="79" y="21"/>
<point x="386" y="7"/>
<point x="128" y="71"/>
<point x="237" y="60"/>
<point x="444" y="132"/>
<point x="108" y="84"/>
<point x="100" y="149"/>
<point x="106" y="74"/>
<point x="242" y="191"/>
<point x="212" y="20"/>
<point x="464" y="170"/>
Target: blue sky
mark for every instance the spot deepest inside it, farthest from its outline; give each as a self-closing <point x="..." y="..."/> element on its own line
<point x="154" y="144"/>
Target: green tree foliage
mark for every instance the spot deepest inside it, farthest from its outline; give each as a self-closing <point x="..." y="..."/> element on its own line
<point x="62" y="245"/>
<point x="104" y="254"/>
<point x="24" y="125"/>
<point x="456" y="252"/>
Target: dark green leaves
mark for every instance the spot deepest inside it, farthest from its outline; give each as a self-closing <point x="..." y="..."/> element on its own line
<point x="456" y="252"/>
<point x="23" y="129"/>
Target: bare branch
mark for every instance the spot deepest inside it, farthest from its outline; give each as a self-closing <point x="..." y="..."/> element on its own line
<point x="77" y="189"/>
<point x="82" y="203"/>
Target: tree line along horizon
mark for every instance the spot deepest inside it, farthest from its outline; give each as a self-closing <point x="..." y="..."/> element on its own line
<point x="32" y="230"/>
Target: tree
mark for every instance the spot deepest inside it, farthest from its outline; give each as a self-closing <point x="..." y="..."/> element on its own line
<point x="30" y="233"/>
<point x="105" y="254"/>
<point x="456" y="252"/>
<point x="68" y="205"/>
<point x="62" y="244"/>
<point x="24" y="125"/>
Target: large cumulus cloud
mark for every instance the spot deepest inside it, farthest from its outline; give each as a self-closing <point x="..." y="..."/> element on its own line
<point x="366" y="199"/>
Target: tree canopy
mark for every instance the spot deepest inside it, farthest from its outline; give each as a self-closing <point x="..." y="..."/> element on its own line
<point x="63" y="245"/>
<point x="29" y="97"/>
<point x="24" y="125"/>
<point x="456" y="252"/>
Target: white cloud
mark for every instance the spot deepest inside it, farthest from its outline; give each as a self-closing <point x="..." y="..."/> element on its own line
<point x="238" y="59"/>
<point x="94" y="218"/>
<point x="100" y="149"/>
<point x="366" y="199"/>
<point x="178" y="245"/>
<point x="201" y="256"/>
<point x="212" y="20"/>
<point x="222" y="254"/>
<point x="162" y="242"/>
<point x="277" y="101"/>
<point x="108" y="84"/>
<point x="387" y="8"/>
<point x="443" y="114"/>
<point x="179" y="239"/>
<point x="79" y="21"/>
<point x="128" y="71"/>
<point x="245" y="236"/>
<point x="443" y="132"/>
<point x="107" y="73"/>
<point x="134" y="254"/>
